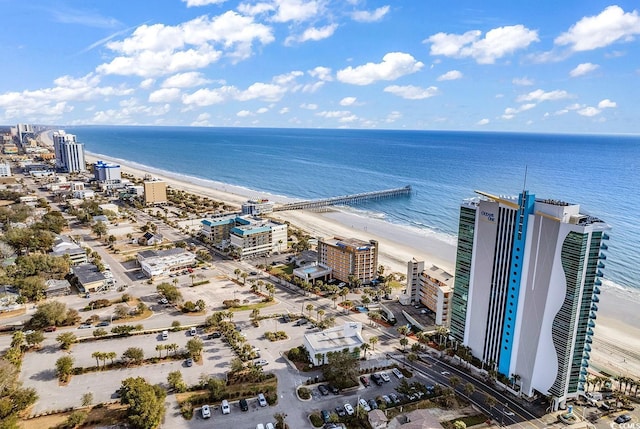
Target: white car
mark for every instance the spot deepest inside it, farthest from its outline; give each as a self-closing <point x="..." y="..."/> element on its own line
<point x="349" y="409"/>
<point x="397" y="373"/>
<point x="260" y="362"/>
<point x="262" y="400"/>
<point x="226" y="409"/>
<point x="445" y="373"/>
<point x="269" y="426"/>
<point x="365" y="406"/>
<point x="385" y="377"/>
<point x="206" y="412"/>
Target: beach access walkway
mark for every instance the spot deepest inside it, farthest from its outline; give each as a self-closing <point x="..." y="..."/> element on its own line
<point x="346" y="200"/>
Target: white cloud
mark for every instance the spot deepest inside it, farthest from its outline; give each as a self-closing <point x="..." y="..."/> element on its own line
<point x="147" y="83"/>
<point x="284" y="110"/>
<point x="606" y="103"/>
<point x="510" y="112"/>
<point x="522" y="81"/>
<point x="205" y="97"/>
<point x="262" y="110"/>
<point x="262" y="91"/>
<point x="195" y="3"/>
<point x="313" y="34"/>
<point x="185" y="80"/>
<point x="592" y="32"/>
<point x="483" y="121"/>
<point x="244" y="113"/>
<point x="309" y="106"/>
<point x="582" y="69"/>
<point x="165" y="95"/>
<point x="540" y="95"/>
<point x="333" y="114"/>
<point x="393" y="116"/>
<point x="348" y="101"/>
<point x="496" y="43"/>
<point x="450" y="75"/>
<point x="155" y="50"/>
<point x="393" y="66"/>
<point x="370" y="16"/>
<point x="322" y="73"/>
<point x="411" y="92"/>
<point x="202" y="120"/>
<point x="589" y="111"/>
<point x="295" y="10"/>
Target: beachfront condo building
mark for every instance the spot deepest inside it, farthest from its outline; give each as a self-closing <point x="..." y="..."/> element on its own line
<point x="349" y="258"/>
<point x="69" y="153"/>
<point x="155" y="192"/>
<point x="255" y="237"/>
<point x="107" y="173"/>
<point x="5" y="169"/>
<point x="257" y="207"/>
<point x="431" y="287"/>
<point x="527" y="284"/>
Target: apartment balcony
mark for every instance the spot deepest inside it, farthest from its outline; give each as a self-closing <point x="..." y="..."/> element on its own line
<point x="599" y="274"/>
<point x="595" y="298"/>
<point x="587" y="347"/>
<point x="585" y="363"/>
<point x="583" y="372"/>
<point x="594" y="307"/>
<point x="586" y="355"/>
<point x="583" y="380"/>
<point x="604" y="247"/>
<point x="598" y="282"/>
<point x="600" y="265"/>
<point x="588" y="340"/>
<point x="605" y="236"/>
<point x="591" y="324"/>
<point x="590" y="331"/>
<point x="602" y="257"/>
<point x="593" y="316"/>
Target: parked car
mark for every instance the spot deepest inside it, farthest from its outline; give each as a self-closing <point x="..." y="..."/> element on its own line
<point x="50" y="329"/>
<point x="259" y="426"/>
<point x="244" y="405"/>
<point x="260" y="362"/>
<point x="365" y="381"/>
<point x="385" y="377"/>
<point x="189" y="362"/>
<point x="206" y="411"/>
<point x="341" y="412"/>
<point x="226" y="409"/>
<point x="397" y="373"/>
<point x="262" y="401"/>
<point x="193" y="331"/>
<point x="373" y="404"/>
<point x="85" y="326"/>
<point x="622" y="418"/>
<point x="269" y="426"/>
<point x="324" y="390"/>
<point x="377" y="379"/>
<point x="394" y="398"/>
<point x="334" y="389"/>
<point x="105" y="323"/>
<point x="301" y="322"/>
<point x="363" y="403"/>
<point x="349" y="409"/>
<point x="387" y="399"/>
<point x="326" y="416"/>
<point x="215" y="335"/>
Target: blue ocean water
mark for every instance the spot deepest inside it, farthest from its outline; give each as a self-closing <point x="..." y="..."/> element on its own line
<point x="601" y="173"/>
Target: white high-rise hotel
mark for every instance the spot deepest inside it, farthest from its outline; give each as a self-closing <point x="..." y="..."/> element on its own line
<point x="527" y="280"/>
<point x="69" y="153"/>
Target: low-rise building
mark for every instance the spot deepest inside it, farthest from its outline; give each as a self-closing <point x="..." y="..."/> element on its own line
<point x="313" y="271"/>
<point x="161" y="262"/>
<point x="65" y="246"/>
<point x="336" y="339"/>
<point x="57" y="288"/>
<point x="89" y="279"/>
<point x="257" y="207"/>
<point x="5" y="169"/>
<point x="218" y="230"/>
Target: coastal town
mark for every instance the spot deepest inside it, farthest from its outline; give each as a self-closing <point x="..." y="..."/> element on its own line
<point x="129" y="300"/>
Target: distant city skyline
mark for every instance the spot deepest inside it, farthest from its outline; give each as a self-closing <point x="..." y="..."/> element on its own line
<point x="568" y="67"/>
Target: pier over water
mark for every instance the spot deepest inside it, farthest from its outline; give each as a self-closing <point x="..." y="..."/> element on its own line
<point x="346" y="200"/>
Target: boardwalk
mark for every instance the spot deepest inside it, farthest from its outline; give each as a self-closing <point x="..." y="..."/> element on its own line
<point x="346" y="200"/>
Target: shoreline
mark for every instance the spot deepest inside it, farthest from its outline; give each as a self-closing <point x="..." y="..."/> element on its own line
<point x="618" y="340"/>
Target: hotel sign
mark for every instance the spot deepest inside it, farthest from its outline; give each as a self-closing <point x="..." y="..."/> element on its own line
<point x="488" y="216"/>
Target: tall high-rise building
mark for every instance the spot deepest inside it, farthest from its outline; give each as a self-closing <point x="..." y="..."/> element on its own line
<point x="69" y="153"/>
<point x="155" y="192"/>
<point x="350" y="257"/>
<point x="527" y="280"/>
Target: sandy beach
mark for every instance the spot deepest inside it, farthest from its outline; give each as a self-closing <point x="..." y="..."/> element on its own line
<point x="616" y="347"/>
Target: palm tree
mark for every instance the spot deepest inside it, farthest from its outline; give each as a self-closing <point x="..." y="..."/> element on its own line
<point x="347" y="305"/>
<point x="373" y="341"/>
<point x="469" y="388"/>
<point x="334" y="298"/>
<point x="309" y="308"/>
<point x="365" y="347"/>
<point x="343" y="293"/>
<point x="404" y="330"/>
<point x="319" y="314"/>
<point x="111" y="356"/>
<point x="403" y="342"/>
<point x="159" y="349"/>
<point x="255" y="314"/>
<point x="96" y="355"/>
<point x="491" y="402"/>
<point x="237" y="272"/>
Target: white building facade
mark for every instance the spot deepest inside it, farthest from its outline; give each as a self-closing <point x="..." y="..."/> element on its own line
<point x="5" y="170"/>
<point x="527" y="283"/>
<point x="69" y="153"/>
<point x="336" y="339"/>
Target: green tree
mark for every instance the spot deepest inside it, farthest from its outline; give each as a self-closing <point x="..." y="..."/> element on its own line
<point x="373" y="341"/>
<point x="99" y="228"/>
<point x="403" y="343"/>
<point x="280" y="420"/>
<point x="52" y="313"/>
<point x="194" y="347"/>
<point x="145" y="403"/>
<point x="342" y="369"/>
<point x="469" y="388"/>
<point x="87" y="399"/>
<point x="64" y="368"/>
<point x="100" y="332"/>
<point x="66" y="339"/>
<point x="176" y="382"/>
<point x="133" y="355"/>
<point x="309" y="308"/>
<point x="365" y="347"/>
<point x="171" y="293"/>
<point x="216" y="388"/>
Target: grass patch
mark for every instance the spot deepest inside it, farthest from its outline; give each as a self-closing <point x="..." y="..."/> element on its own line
<point x="259" y="305"/>
<point x="468" y="420"/>
<point x="99" y="415"/>
<point x="282" y="269"/>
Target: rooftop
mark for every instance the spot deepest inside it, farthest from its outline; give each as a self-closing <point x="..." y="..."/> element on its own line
<point x="346" y="336"/>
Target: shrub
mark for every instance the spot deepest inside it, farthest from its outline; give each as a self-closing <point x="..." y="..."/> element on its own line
<point x="304" y="393"/>
<point x="316" y="420"/>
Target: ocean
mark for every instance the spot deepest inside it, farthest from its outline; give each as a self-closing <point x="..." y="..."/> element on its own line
<point x="599" y="172"/>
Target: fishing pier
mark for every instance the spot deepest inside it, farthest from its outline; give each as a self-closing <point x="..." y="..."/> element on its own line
<point x="346" y="200"/>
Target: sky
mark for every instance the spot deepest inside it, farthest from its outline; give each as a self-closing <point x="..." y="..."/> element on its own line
<point x="545" y="66"/>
